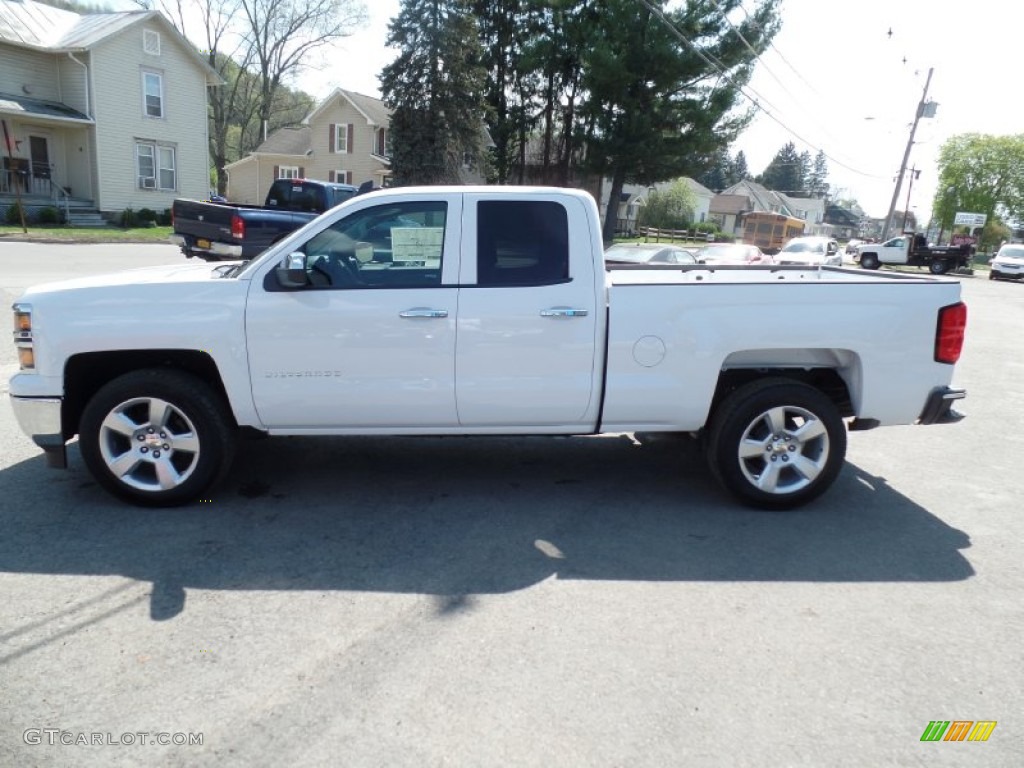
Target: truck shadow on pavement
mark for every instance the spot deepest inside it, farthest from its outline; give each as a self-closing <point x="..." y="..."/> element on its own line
<point x="456" y="516"/>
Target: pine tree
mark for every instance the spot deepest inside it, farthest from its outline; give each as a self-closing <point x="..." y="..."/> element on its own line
<point x="435" y="90"/>
<point x="655" y="108"/>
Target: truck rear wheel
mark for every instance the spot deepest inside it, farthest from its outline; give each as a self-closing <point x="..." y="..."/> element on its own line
<point x="776" y="443"/>
<point x="938" y="266"/>
<point x="156" y="437"/>
<point x="869" y="261"/>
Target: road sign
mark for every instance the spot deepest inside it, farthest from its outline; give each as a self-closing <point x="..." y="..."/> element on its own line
<point x="969" y="219"/>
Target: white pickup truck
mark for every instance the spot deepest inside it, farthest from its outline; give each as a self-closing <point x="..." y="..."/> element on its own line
<point x="489" y="310"/>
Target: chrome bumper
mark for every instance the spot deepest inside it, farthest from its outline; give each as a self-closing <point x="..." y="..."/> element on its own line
<point x="40" y="419"/>
<point x="219" y="249"/>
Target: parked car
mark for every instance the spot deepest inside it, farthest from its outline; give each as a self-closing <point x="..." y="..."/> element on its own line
<point x="851" y="246"/>
<point x="810" y="251"/>
<point x="732" y="253"/>
<point x="1008" y="263"/>
<point x="648" y="253"/>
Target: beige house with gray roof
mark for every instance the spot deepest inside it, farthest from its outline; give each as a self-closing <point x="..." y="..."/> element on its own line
<point x="102" y="111"/>
<point x="345" y="139"/>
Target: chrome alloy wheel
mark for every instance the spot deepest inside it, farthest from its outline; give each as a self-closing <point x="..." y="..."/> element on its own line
<point x="783" y="449"/>
<point x="149" y="444"/>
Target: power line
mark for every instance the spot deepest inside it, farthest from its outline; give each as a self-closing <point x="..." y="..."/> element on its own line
<point x="756" y="99"/>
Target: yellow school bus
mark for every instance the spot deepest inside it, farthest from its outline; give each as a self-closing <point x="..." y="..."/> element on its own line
<point x="770" y="231"/>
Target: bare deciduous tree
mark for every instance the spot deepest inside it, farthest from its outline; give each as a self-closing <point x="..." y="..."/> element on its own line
<point x="281" y="35"/>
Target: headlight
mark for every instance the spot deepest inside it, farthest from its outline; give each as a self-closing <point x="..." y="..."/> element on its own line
<point x="23" y="335"/>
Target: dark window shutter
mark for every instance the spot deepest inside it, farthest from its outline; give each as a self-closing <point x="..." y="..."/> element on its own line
<point x="302" y="172"/>
<point x="332" y="129"/>
<point x="330" y="175"/>
<point x="277" y="171"/>
<point x="351" y="131"/>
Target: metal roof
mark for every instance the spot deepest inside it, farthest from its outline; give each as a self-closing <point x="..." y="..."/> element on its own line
<point x="22" y="106"/>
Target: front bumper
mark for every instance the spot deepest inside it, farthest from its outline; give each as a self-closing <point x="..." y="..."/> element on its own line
<point x="40" y="419"/>
<point x="939" y="407"/>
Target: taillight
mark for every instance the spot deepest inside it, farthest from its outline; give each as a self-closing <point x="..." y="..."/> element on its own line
<point x="949" y="334"/>
<point x="237" y="227"/>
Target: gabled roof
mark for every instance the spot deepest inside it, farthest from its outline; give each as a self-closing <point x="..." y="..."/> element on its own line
<point x="28" y="24"/>
<point x="729" y="204"/>
<point x="373" y="110"/>
<point x="764" y="199"/>
<point x="287" y="141"/>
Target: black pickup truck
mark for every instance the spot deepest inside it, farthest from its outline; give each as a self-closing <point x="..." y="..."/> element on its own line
<point x="231" y="231"/>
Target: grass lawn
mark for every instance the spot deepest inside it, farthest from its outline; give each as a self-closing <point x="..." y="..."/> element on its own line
<point x="39" y="233"/>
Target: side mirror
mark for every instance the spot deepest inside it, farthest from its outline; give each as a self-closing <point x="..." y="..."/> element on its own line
<point x="291" y="273"/>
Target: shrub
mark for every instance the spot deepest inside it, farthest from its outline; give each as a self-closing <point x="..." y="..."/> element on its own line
<point x="13" y="214"/>
<point x="48" y="215"/>
<point x="163" y="218"/>
<point x="127" y="218"/>
<point x="145" y="214"/>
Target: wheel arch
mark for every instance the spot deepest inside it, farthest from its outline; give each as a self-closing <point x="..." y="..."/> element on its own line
<point x="826" y="379"/>
<point x="87" y="372"/>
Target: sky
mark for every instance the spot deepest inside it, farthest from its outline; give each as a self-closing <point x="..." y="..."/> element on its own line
<point x="834" y="80"/>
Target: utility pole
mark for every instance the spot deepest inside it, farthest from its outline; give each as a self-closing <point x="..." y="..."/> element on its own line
<point x="906" y="156"/>
<point x="914" y="174"/>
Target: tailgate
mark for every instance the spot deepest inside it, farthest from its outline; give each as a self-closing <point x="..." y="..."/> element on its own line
<point x="200" y="220"/>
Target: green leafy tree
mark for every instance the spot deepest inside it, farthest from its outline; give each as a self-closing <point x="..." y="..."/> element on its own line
<point x="655" y="108"/>
<point x="435" y="88"/>
<point x="740" y="172"/>
<point x="817" y="178"/>
<point x="671" y="208"/>
<point x="785" y="173"/>
<point x="980" y="173"/>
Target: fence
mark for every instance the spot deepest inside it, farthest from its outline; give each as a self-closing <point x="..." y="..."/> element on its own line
<point x="674" y="234"/>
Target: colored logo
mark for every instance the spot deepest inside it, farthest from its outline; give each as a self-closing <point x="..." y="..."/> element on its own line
<point x="958" y="730"/>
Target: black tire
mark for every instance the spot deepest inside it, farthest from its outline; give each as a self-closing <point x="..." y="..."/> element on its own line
<point x="788" y="469"/>
<point x="938" y="266"/>
<point x="869" y="261"/>
<point x="157" y="437"/>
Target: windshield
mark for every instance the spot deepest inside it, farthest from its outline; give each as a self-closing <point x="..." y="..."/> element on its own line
<point x="630" y="254"/>
<point x="1012" y="252"/>
<point x="803" y="246"/>
<point x="724" y="253"/>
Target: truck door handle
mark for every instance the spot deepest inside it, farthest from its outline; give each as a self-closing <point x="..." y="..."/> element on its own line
<point x="424" y="312"/>
<point x="563" y="312"/>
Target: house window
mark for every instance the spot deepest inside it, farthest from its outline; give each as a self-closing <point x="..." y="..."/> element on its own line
<point x="153" y="94"/>
<point x="342" y="177"/>
<point x="342" y="134"/>
<point x="151" y="42"/>
<point x="383" y="142"/>
<point x="288" y="172"/>
<point x="156" y="166"/>
<point x="168" y="178"/>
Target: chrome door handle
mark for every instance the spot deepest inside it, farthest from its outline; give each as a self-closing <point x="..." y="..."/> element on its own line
<point x="563" y="312"/>
<point x="424" y="312"/>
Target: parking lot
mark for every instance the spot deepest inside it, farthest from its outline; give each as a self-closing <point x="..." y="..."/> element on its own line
<point x="520" y="601"/>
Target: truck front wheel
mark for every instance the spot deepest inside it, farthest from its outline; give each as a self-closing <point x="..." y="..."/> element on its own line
<point x="869" y="261"/>
<point x="776" y="443"/>
<point x="156" y="437"/>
